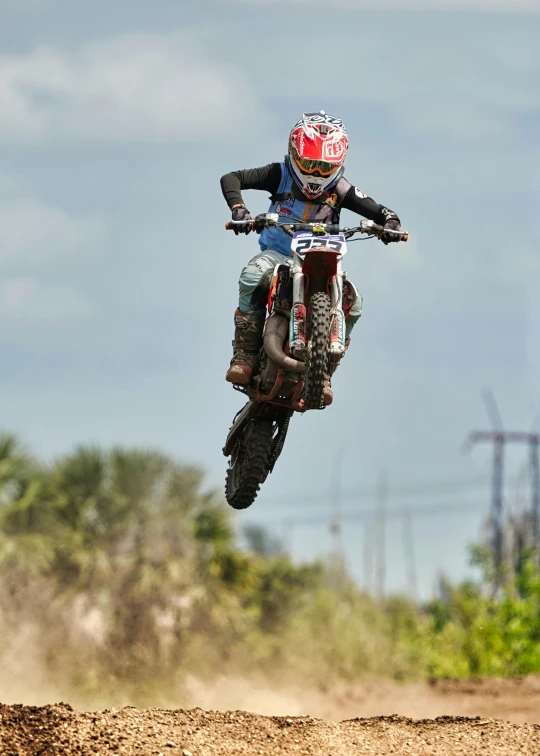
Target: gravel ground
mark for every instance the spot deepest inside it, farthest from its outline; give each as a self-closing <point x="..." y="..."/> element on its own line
<point x="59" y="729"/>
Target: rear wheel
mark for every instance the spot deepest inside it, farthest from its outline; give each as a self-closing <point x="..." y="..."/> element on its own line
<point x="250" y="463"/>
<point x="319" y="324"/>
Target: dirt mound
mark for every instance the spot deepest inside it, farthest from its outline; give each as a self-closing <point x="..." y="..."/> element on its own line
<point x="48" y="730"/>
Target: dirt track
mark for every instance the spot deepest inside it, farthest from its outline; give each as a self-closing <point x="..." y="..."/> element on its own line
<point x="59" y="729"/>
<point x="517" y="701"/>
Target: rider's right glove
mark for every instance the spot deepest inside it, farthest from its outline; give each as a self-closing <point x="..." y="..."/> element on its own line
<point x="242" y="214"/>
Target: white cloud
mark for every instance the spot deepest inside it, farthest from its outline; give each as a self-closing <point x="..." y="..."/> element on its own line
<point x="460" y="121"/>
<point x="471" y="6"/>
<point x="26" y="299"/>
<point x="33" y="233"/>
<point x="11" y="186"/>
<point x="452" y="84"/>
<point x="133" y="87"/>
<point x="22" y="5"/>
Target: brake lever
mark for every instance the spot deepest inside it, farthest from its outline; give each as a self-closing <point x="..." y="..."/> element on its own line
<point x="349" y="232"/>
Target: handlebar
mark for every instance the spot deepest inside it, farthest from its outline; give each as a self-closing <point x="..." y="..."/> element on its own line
<point x="258" y="225"/>
<point x="260" y="222"/>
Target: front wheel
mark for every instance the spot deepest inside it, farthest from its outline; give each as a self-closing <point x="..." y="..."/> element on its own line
<point x="250" y="463"/>
<point x="319" y="325"/>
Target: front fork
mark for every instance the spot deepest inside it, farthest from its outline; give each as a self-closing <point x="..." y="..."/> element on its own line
<point x="297" y="327"/>
<point x="337" y="332"/>
<point x="298" y="330"/>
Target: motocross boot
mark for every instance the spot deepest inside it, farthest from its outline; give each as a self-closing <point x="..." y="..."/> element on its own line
<point x="246" y="346"/>
<point x="328" y="394"/>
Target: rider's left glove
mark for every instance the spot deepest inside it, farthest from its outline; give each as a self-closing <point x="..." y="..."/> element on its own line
<point x="242" y="214"/>
<point x="390" y="225"/>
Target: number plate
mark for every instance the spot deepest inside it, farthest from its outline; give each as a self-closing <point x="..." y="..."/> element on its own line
<point x="304" y="242"/>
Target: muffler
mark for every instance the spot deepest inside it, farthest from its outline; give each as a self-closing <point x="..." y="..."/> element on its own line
<point x="275" y="333"/>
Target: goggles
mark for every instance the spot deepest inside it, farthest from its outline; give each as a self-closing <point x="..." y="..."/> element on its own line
<point x="309" y="166"/>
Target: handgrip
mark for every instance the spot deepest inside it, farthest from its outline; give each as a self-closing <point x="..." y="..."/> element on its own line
<point x="229" y="225"/>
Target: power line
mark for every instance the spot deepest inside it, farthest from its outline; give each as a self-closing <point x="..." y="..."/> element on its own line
<point x="403" y="490"/>
<point x="363" y="515"/>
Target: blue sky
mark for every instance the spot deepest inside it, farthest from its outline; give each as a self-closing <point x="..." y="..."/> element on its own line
<point x="118" y="283"/>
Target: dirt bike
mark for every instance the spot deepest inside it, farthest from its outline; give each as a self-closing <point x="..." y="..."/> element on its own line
<point x="303" y="339"/>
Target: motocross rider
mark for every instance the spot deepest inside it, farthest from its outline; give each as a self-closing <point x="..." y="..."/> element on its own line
<point x="308" y="186"/>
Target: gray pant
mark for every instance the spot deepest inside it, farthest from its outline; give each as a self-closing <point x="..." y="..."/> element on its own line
<point x="265" y="262"/>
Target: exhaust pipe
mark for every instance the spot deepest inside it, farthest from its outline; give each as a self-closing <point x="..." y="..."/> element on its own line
<point x="275" y="333"/>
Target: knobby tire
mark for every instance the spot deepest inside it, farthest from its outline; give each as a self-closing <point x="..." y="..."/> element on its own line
<point x="320" y="321"/>
<point x="250" y="463"/>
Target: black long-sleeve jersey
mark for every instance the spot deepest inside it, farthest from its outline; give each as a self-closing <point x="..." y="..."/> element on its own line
<point x="268" y="178"/>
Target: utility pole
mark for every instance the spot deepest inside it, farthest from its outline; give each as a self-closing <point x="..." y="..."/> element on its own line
<point x="410" y="558"/>
<point x="288" y="535"/>
<point x="336" y="524"/>
<point x="499" y="439"/>
<point x="381" y="536"/>
<point x="369" y="535"/>
<point x="535" y="485"/>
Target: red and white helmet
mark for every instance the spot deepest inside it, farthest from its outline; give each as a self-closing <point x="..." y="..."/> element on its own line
<point x="318" y="144"/>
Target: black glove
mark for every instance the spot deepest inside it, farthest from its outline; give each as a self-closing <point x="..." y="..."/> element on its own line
<point x="242" y="214"/>
<point x="390" y="225"/>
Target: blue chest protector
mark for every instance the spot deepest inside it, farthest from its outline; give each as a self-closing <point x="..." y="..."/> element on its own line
<point x="293" y="210"/>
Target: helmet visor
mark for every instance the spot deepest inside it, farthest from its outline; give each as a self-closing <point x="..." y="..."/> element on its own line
<point x="309" y="166"/>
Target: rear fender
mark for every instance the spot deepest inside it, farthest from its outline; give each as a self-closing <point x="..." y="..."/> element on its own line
<point x="242" y="418"/>
<point x="248" y="412"/>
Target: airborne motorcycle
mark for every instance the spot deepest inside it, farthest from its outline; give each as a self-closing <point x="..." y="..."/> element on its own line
<point x="304" y="338"/>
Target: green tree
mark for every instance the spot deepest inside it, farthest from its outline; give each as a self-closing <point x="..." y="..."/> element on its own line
<point x="23" y="511"/>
